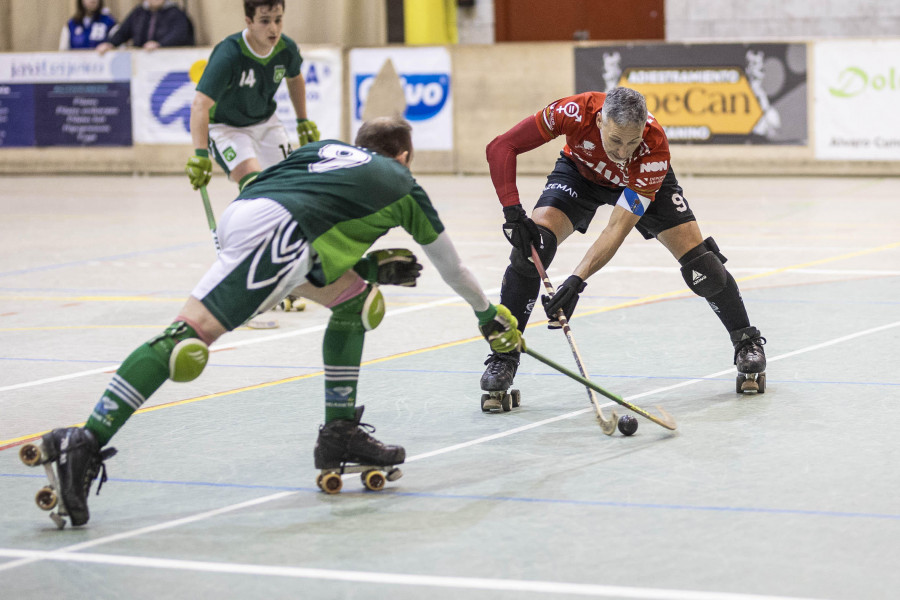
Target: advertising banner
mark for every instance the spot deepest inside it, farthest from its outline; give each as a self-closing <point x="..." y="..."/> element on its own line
<point x="16" y="115"/>
<point x="425" y="77"/>
<point x="65" y="99"/>
<point x="857" y="92"/>
<point x="709" y="93"/>
<point x="165" y="82"/>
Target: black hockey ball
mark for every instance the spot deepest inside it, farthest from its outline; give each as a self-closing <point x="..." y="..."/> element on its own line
<point x="627" y="424"/>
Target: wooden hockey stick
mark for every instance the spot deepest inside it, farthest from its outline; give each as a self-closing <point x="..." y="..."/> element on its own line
<point x="210" y="218"/>
<point x="665" y="420"/>
<point x="608" y="426"/>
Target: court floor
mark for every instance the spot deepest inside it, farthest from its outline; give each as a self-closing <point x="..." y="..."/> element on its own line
<point x="789" y="494"/>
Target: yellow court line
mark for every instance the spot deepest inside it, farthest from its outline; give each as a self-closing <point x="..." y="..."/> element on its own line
<point x="631" y="303"/>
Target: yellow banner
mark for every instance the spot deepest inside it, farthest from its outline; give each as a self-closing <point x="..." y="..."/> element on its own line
<point x="718" y="99"/>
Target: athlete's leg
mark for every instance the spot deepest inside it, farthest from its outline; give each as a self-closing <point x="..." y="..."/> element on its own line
<point x="245" y="172"/>
<point x="356" y="307"/>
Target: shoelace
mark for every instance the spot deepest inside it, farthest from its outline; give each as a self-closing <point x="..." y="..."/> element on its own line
<point x="748" y="343"/>
<point x="104" y="454"/>
<point x="495" y="365"/>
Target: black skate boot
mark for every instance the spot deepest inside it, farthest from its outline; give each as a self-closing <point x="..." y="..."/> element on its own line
<point x="497" y="378"/>
<point x="750" y="358"/>
<point x="78" y="461"/>
<point x="345" y="446"/>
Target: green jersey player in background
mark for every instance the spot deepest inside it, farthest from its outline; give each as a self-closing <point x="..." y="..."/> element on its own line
<point x="304" y="226"/>
<point x="233" y="112"/>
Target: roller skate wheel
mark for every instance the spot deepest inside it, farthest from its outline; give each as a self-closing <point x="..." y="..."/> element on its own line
<point x="30" y="454"/>
<point x="394" y="474"/>
<point x="506" y="402"/>
<point x="60" y="522"/>
<point x="516" y="398"/>
<point x="491" y="401"/>
<point x="373" y="480"/>
<point x="761" y="382"/>
<point x="331" y="483"/>
<point x="747" y="383"/>
<point x="46" y="498"/>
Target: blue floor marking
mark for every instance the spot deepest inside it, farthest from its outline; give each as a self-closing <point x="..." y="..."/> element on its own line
<point x="550" y="501"/>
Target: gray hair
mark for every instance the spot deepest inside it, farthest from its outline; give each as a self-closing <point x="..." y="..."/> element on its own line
<point x="624" y="106"/>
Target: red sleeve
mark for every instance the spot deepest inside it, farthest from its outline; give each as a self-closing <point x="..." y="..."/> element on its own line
<point x="501" y="157"/>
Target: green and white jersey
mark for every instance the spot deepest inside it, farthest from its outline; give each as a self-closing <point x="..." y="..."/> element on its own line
<point x="344" y="198"/>
<point x="243" y="83"/>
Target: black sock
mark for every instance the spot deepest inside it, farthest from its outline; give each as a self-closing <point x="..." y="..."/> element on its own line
<point x="729" y="306"/>
<point x="519" y="293"/>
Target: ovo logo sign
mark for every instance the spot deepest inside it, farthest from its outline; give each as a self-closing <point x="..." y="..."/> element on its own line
<point x="718" y="99"/>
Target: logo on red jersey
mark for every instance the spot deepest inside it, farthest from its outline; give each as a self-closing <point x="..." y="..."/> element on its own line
<point x="571" y="110"/>
<point x="650" y="167"/>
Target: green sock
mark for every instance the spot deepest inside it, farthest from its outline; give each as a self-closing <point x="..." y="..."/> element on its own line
<point x="342" y="349"/>
<point x="248" y="178"/>
<point x="139" y="376"/>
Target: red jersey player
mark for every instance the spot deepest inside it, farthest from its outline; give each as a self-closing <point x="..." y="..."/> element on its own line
<point x="617" y="154"/>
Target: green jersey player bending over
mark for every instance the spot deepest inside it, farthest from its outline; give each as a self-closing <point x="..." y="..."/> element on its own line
<point x="233" y="112"/>
<point x="304" y="226"/>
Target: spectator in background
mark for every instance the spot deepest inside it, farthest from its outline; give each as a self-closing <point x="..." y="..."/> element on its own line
<point x="88" y="28"/>
<point x="150" y="25"/>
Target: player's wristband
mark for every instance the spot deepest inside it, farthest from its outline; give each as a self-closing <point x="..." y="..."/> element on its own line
<point x="203" y="153"/>
<point x="486" y="315"/>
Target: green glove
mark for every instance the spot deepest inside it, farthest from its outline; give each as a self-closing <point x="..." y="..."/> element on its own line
<point x="307" y="131"/>
<point x="393" y="266"/>
<point x="500" y="330"/>
<point x="199" y="169"/>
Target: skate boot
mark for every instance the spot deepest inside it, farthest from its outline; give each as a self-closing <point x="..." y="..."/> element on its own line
<point x="750" y="358"/>
<point x="345" y="446"/>
<point x="78" y="461"/>
<point x="497" y="378"/>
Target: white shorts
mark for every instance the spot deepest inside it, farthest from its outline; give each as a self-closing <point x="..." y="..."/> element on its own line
<point x="267" y="142"/>
<point x="263" y="258"/>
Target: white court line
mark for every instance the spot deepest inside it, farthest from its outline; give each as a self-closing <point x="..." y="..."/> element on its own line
<point x="65" y="553"/>
<point x="136" y="532"/>
<point x="472" y="583"/>
<point x="249" y="342"/>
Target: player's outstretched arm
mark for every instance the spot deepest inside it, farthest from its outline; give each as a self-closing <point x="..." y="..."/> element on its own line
<point x="199" y="166"/>
<point x="307" y="131"/>
<point x="496" y="323"/>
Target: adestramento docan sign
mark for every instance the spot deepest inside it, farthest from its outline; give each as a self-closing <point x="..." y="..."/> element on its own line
<point x="709" y="93"/>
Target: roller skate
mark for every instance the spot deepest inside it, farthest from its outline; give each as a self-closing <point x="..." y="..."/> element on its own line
<point x="291" y="304"/>
<point x="497" y="378"/>
<point x="345" y="446"/>
<point x="78" y="460"/>
<point x="750" y="358"/>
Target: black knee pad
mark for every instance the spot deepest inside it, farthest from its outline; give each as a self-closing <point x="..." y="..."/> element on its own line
<point x="703" y="270"/>
<point x="523" y="265"/>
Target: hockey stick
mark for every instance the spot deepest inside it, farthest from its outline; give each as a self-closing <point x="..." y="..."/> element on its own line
<point x="210" y="218"/>
<point x="608" y="426"/>
<point x="665" y="420"/>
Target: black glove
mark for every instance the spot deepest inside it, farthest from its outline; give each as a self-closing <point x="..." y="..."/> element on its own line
<point x="565" y="298"/>
<point x="520" y="230"/>
<point x="394" y="266"/>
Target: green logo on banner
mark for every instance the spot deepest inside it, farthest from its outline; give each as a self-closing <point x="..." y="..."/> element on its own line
<point x="279" y="73"/>
<point x="853" y="81"/>
<point x="229" y="154"/>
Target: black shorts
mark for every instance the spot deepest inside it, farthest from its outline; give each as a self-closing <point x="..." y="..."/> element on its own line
<point x="579" y="198"/>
